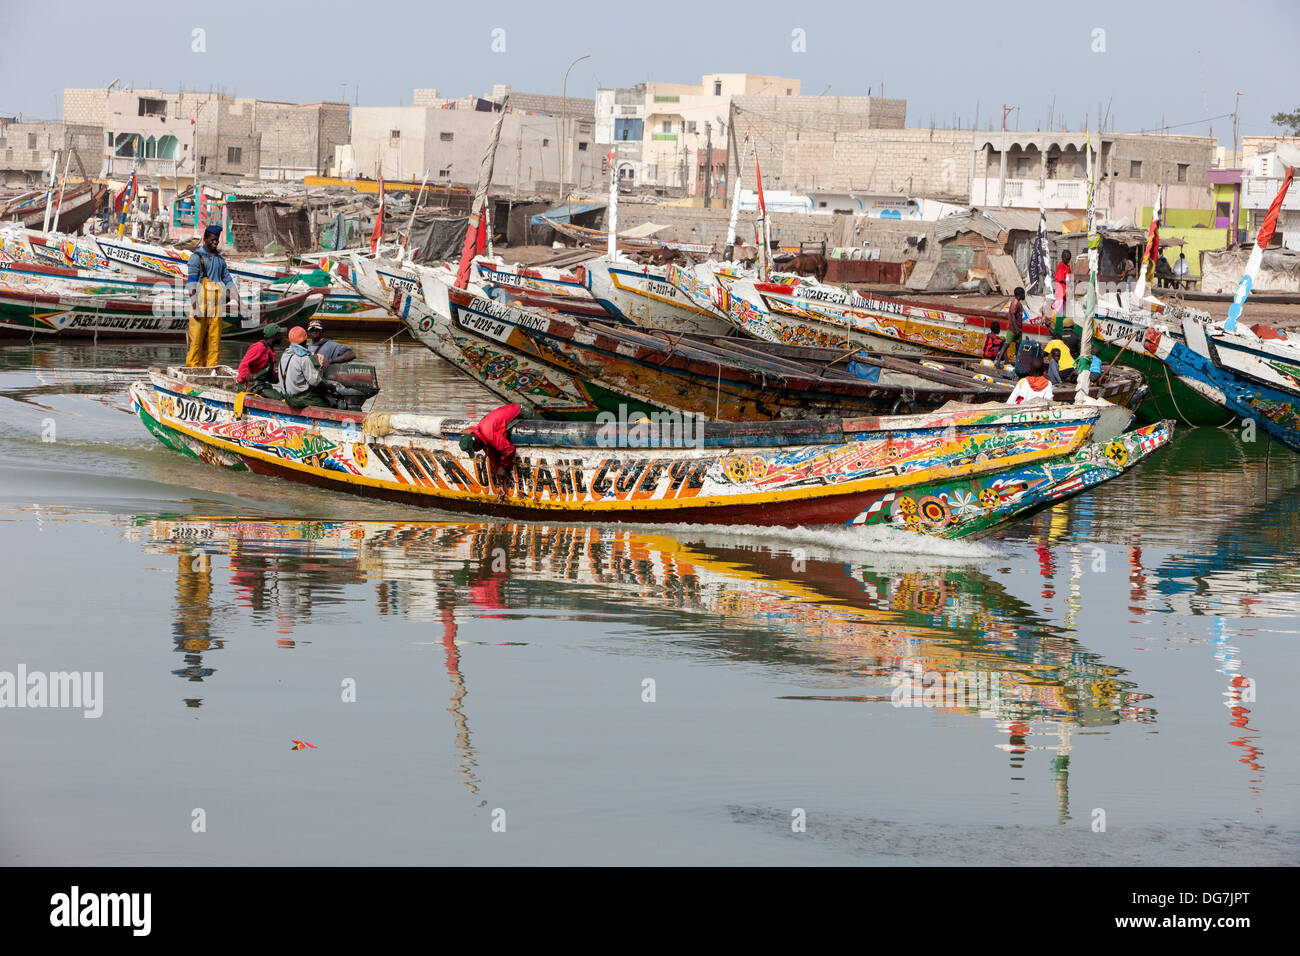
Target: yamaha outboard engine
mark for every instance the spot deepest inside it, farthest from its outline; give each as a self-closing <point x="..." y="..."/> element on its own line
<point x="350" y="384"/>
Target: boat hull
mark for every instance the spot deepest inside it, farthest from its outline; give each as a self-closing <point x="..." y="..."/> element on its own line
<point x="1168" y="396"/>
<point x="642" y="295"/>
<point x="788" y="474"/>
<point x="974" y="506"/>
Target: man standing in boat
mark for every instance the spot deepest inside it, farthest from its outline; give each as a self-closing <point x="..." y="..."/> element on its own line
<point x="491" y="437"/>
<point x="211" y="289"/>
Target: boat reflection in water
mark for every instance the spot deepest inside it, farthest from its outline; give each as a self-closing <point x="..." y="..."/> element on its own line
<point x="947" y="639"/>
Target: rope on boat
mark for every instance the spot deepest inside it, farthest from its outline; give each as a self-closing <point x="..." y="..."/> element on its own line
<point x="378" y="424"/>
<point x="1183" y="415"/>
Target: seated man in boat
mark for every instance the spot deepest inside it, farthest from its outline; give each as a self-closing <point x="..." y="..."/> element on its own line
<point x="1032" y="386"/>
<point x="1060" y="362"/>
<point x="257" y="371"/>
<point x="491" y="437"/>
<point x="300" y="378"/>
<point x="317" y="344"/>
<point x="993" y="341"/>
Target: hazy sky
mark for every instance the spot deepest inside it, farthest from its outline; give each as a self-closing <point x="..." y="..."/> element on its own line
<point x="942" y="56"/>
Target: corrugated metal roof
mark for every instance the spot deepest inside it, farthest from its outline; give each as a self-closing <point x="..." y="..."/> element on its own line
<point x="562" y="212"/>
<point x="989" y="223"/>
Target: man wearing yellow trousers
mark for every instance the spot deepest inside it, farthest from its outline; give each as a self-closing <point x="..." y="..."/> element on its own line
<point x="210" y="287"/>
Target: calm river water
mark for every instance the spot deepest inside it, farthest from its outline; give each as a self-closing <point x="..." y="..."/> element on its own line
<point x="1114" y="675"/>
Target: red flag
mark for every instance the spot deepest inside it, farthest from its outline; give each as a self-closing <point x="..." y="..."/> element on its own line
<point x="480" y="244"/>
<point x="378" y="232"/>
<point x="758" y="175"/>
<point x="1270" y="221"/>
<point x="467" y="253"/>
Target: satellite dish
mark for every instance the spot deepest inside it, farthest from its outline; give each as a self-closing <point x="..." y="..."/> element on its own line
<point x="1288" y="154"/>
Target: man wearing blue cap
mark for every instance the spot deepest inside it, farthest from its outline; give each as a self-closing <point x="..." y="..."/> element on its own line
<point x="210" y="286"/>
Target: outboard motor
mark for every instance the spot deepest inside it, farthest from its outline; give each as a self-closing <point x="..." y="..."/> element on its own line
<point x="350" y="384"/>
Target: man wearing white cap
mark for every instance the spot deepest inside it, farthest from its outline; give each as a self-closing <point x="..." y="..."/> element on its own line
<point x="317" y="344"/>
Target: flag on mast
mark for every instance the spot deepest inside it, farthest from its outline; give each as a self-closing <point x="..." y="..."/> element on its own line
<point x="1090" y="300"/>
<point x="128" y="196"/>
<point x="1262" y="240"/>
<point x="762" y="224"/>
<point x="1038" y="256"/>
<point x="1147" y="273"/>
<point x="730" y="247"/>
<point x="480" y="199"/>
<point x="378" y="232"/>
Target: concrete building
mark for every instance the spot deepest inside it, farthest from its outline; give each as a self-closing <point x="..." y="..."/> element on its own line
<point x="620" y="126"/>
<point x="1015" y="169"/>
<point x="26" y="150"/>
<point x="173" y="136"/>
<point x="403" y="142"/>
<point x="681" y="121"/>
<point x="1257" y="194"/>
<point x="842" y="144"/>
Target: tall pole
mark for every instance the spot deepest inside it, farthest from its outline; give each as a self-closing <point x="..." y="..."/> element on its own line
<point x="708" y="165"/>
<point x="406" y="243"/>
<point x="611" y="225"/>
<point x="63" y="184"/>
<point x="1090" y="301"/>
<point x="729" y="249"/>
<point x="49" y="191"/>
<point x="564" y="118"/>
<point x="1235" y="103"/>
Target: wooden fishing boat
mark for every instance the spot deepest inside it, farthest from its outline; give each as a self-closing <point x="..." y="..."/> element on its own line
<point x="809" y="313"/>
<point x="971" y="506"/>
<point x="79" y="204"/>
<point x="1118" y="340"/>
<point x="722" y="379"/>
<point x="33" y="311"/>
<point x="775" y="473"/>
<point x="1260" y="389"/>
<point x="96" y="258"/>
<point x="642" y="295"/>
<point x="538" y="287"/>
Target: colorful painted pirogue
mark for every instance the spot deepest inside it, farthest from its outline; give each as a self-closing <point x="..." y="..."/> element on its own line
<point x="642" y="295"/>
<point x="100" y="258"/>
<point x="33" y="311"/>
<point x="1263" y="388"/>
<point x="722" y="379"/>
<point x="776" y="473"/>
<point x="808" y="313"/>
<point x="1118" y="340"/>
<point x="959" y="508"/>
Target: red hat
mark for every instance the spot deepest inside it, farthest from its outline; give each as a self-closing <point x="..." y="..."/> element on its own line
<point x="297" y="335"/>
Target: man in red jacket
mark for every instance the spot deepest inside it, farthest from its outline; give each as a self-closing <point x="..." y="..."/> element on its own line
<point x="490" y="436"/>
<point x="257" y="370"/>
